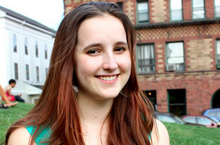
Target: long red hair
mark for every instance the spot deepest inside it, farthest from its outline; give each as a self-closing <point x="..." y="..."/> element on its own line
<point x="131" y="119"/>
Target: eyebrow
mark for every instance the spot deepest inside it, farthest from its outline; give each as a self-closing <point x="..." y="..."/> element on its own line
<point x="92" y="45"/>
<point x="99" y="44"/>
<point x="121" y="43"/>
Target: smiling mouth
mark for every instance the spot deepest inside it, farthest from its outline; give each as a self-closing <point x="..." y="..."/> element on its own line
<point x="108" y="78"/>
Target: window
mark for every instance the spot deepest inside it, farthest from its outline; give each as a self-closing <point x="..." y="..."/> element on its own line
<point x="190" y="119"/>
<point x="36" y="49"/>
<point x="217" y="8"/>
<point x="45" y="51"/>
<point x="177" y="101"/>
<point x="37" y="74"/>
<point x="46" y="71"/>
<point x="218" y="114"/>
<point x="26" y="46"/>
<point x="14" y="43"/>
<point x="152" y="96"/>
<point x="27" y="71"/>
<point x="204" y="121"/>
<point x="175" y="57"/>
<point x="211" y="113"/>
<point x="165" y="119"/>
<point x="120" y="4"/>
<point x="198" y="9"/>
<point x="16" y="70"/>
<point x="176" y="10"/>
<point x="145" y="58"/>
<point x="142" y="12"/>
<point x="218" y="54"/>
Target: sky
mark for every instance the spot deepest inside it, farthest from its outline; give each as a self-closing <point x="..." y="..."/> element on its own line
<point x="47" y="12"/>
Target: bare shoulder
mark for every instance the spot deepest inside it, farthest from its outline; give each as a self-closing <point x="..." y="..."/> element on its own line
<point x="160" y="134"/>
<point x="8" y="88"/>
<point x="19" y="137"/>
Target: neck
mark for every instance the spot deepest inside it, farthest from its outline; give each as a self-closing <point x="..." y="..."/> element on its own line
<point x="93" y="111"/>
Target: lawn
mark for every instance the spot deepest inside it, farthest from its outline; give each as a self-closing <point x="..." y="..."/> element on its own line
<point x="9" y="116"/>
<point x="179" y="134"/>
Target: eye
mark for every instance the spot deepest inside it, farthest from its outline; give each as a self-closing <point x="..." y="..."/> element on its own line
<point x="120" y="49"/>
<point x="93" y="51"/>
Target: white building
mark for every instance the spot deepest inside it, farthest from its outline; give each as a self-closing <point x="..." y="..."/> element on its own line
<point x="25" y="50"/>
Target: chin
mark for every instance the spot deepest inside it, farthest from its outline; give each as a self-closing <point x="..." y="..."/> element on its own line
<point x="109" y="95"/>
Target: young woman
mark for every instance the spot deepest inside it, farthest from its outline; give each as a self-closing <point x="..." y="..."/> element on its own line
<point x="91" y="95"/>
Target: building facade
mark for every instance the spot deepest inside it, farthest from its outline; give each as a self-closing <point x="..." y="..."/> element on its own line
<point x="177" y="51"/>
<point x="25" y="47"/>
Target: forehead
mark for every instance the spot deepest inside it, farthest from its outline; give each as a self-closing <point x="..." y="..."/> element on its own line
<point x="101" y="28"/>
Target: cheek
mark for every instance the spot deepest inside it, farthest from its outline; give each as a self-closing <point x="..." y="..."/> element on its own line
<point x="125" y="64"/>
<point x="85" y="67"/>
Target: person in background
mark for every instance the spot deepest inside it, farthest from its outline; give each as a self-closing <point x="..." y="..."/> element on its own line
<point x="91" y="95"/>
<point x="4" y="97"/>
<point x="11" y="97"/>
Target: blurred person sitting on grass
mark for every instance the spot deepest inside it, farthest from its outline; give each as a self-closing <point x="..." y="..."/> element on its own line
<point x="10" y="96"/>
<point x="4" y="97"/>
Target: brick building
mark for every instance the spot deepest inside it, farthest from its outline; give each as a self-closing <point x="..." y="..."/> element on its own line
<point x="177" y="51"/>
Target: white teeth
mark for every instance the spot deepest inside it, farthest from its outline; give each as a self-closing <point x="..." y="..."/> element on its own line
<point x="111" y="78"/>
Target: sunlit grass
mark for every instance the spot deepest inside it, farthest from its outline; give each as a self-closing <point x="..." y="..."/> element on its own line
<point x="179" y="134"/>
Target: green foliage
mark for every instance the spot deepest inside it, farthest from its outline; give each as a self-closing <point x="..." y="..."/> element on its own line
<point x="179" y="134"/>
<point x="9" y="116"/>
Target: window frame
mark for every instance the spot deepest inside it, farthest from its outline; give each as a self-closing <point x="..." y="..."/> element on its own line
<point x="166" y="60"/>
<point x="137" y="14"/>
<point x="204" y="11"/>
<point x="140" y="73"/>
<point x="171" y="12"/>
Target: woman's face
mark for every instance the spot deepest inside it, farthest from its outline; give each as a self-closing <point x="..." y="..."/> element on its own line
<point x="103" y="63"/>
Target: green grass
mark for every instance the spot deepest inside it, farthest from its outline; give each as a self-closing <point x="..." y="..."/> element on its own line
<point x="9" y="116"/>
<point x="192" y="135"/>
<point x="179" y="134"/>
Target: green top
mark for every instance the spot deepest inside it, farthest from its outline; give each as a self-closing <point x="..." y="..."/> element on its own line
<point x="41" y="137"/>
<point x="44" y="135"/>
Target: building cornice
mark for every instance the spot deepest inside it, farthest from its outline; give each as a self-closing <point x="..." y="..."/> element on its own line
<point x="176" y="23"/>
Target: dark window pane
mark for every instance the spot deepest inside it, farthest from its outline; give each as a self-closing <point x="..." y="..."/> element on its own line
<point x="120" y="4"/>
<point x="16" y="70"/>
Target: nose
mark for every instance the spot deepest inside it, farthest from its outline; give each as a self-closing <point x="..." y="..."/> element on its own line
<point x="109" y="62"/>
